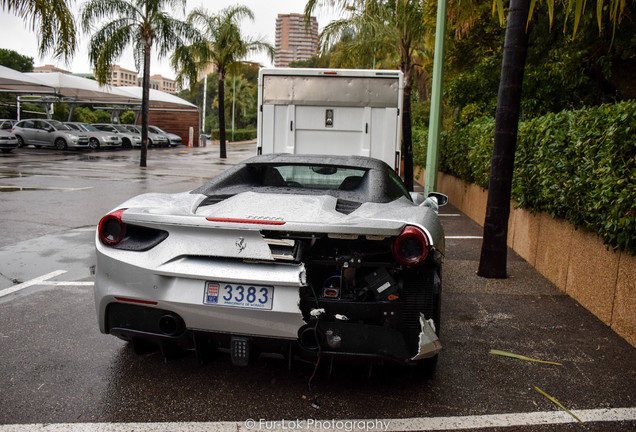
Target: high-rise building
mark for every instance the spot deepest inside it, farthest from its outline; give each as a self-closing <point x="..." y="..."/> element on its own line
<point x="294" y="39"/>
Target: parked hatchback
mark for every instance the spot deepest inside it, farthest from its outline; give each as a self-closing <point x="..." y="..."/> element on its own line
<point x="154" y="139"/>
<point x="173" y="139"/>
<point x="96" y="138"/>
<point x="49" y="133"/>
<point x="8" y="141"/>
<point x="128" y="139"/>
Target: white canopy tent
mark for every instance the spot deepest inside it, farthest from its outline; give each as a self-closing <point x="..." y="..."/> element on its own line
<point x="158" y="98"/>
<point x="50" y="87"/>
<point x="17" y="82"/>
<point x="81" y="89"/>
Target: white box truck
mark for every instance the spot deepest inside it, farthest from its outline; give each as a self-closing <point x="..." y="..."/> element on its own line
<point x="331" y="112"/>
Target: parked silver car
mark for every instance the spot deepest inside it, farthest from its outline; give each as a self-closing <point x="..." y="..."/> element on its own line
<point x="7" y="124"/>
<point x="48" y="133"/>
<point x="154" y="139"/>
<point x="346" y="263"/>
<point x="128" y="139"/>
<point x="8" y="141"/>
<point x="96" y="138"/>
<point x="173" y="139"/>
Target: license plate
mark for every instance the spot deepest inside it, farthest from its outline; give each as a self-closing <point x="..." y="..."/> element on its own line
<point x="238" y="295"/>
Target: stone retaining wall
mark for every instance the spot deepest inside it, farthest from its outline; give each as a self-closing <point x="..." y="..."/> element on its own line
<point x="576" y="261"/>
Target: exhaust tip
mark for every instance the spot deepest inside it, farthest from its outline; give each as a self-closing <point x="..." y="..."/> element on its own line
<point x="171" y="325"/>
<point x="310" y="338"/>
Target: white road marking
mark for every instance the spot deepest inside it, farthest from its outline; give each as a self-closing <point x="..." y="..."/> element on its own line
<point x="464" y="237"/>
<point x="449" y="214"/>
<point x="66" y="283"/>
<point x="36" y="281"/>
<point x="37" y="188"/>
<point x="410" y="424"/>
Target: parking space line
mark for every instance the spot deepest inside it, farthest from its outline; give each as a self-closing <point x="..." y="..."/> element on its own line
<point x="464" y="237"/>
<point x="449" y="214"/>
<point x="67" y="283"/>
<point x="410" y="424"/>
<point x="36" y="281"/>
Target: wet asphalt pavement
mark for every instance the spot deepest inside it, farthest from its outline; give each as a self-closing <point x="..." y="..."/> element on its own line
<point x="55" y="366"/>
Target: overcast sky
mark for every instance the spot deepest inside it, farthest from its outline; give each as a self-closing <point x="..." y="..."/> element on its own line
<point x="15" y="35"/>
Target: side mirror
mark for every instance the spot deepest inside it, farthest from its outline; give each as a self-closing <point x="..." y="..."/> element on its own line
<point x="435" y="200"/>
<point x="442" y="199"/>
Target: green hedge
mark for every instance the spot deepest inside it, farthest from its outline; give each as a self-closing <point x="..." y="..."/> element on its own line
<point x="578" y="165"/>
<point x="239" y="134"/>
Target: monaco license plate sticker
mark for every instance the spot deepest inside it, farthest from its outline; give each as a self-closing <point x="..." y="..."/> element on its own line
<point x="238" y="295"/>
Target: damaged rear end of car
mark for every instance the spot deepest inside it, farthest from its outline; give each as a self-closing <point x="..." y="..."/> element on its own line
<point x="280" y="269"/>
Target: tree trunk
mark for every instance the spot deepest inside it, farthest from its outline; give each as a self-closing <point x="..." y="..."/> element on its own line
<point x="493" y="261"/>
<point x="407" y="136"/>
<point x="145" y="106"/>
<point x="221" y="75"/>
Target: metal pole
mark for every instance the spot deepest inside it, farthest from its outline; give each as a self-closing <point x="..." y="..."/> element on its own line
<point x="435" y="119"/>
<point x="233" y="103"/>
<point x="205" y="92"/>
<point x="18" y="109"/>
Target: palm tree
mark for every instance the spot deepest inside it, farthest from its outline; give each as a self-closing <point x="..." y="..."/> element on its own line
<point x="53" y="21"/>
<point x="221" y="45"/>
<point x="394" y="29"/>
<point x="493" y="259"/>
<point x="240" y="94"/>
<point x="142" y="23"/>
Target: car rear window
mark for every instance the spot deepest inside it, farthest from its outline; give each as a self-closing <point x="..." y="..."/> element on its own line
<point x="312" y="177"/>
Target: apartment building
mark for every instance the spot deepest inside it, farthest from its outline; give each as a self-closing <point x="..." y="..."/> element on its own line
<point x="164" y="84"/>
<point x="49" y="68"/>
<point x="294" y="40"/>
<point x="120" y="76"/>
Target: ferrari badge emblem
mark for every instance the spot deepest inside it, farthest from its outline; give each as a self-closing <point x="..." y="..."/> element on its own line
<point x="240" y="244"/>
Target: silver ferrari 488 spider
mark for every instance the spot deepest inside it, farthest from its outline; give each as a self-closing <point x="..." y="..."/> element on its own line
<point x="298" y="255"/>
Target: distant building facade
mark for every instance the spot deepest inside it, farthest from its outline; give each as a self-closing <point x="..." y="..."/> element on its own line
<point x="164" y="84"/>
<point x="49" y="68"/>
<point x="294" y="40"/>
<point x="120" y="76"/>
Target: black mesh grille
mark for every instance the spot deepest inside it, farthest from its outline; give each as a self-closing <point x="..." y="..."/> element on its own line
<point x="214" y="199"/>
<point x="347" y="207"/>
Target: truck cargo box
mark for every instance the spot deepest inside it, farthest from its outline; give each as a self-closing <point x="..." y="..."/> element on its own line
<point x="331" y="112"/>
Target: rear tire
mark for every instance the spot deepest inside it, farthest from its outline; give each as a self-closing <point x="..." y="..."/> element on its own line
<point x="60" y="144"/>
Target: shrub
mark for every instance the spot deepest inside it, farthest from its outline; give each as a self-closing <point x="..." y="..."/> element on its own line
<point x="239" y="134"/>
<point x="578" y="165"/>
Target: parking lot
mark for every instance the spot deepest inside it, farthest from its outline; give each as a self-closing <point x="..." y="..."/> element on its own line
<point x="57" y="372"/>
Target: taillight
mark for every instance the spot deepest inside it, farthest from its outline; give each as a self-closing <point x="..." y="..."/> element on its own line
<point x="111" y="228"/>
<point x="411" y="247"/>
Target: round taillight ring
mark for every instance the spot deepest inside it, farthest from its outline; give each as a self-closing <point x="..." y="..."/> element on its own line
<point x="411" y="247"/>
<point x="112" y="229"/>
